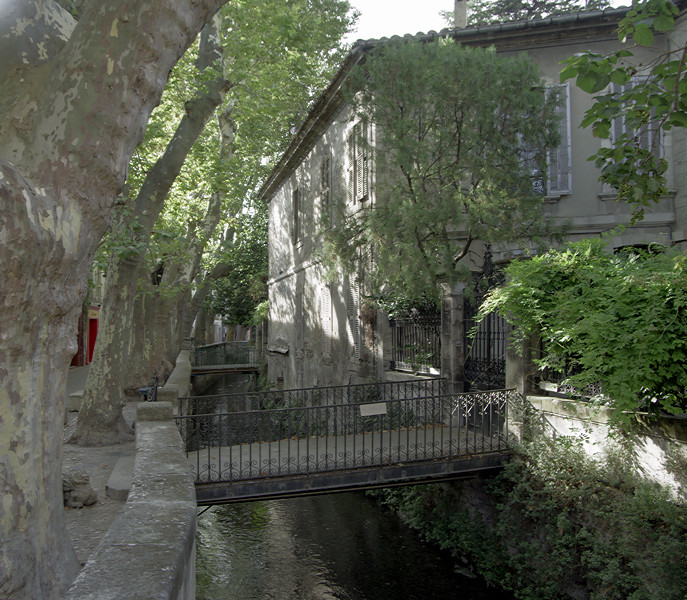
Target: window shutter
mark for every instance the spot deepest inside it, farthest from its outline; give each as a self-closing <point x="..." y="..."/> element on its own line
<point x="295" y="205"/>
<point x="326" y="309"/>
<point x="325" y="183"/>
<point x="353" y="319"/>
<point x="361" y="161"/>
<point x="646" y="136"/>
<point x="559" y="159"/>
<point x="350" y="192"/>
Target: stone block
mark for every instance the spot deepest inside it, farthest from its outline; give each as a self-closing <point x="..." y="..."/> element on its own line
<point x="119" y="483"/>
<point x="153" y="411"/>
<point x="168" y="393"/>
<point x="74" y="401"/>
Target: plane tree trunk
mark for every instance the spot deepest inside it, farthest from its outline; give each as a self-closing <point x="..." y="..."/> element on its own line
<point x="76" y="98"/>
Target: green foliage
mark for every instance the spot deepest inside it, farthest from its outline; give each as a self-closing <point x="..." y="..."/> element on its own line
<point x="455" y="158"/>
<point x="620" y="319"/>
<point x="260" y="313"/>
<point x="651" y="98"/>
<point x="236" y="296"/>
<point x="401" y="306"/>
<point x="557" y="524"/>
<point x="278" y="55"/>
<point x="486" y="12"/>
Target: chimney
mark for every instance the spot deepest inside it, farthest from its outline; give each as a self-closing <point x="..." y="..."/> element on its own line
<point x="460" y="14"/>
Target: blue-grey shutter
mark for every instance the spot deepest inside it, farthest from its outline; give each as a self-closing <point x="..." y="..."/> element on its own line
<point x="326" y="309"/>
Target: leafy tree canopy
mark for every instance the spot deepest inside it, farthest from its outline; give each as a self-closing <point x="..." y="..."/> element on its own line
<point x="619" y="320"/>
<point x="235" y="296"/>
<point x="456" y="160"/>
<point x="278" y="57"/>
<point x="487" y="12"/>
<point x="649" y="98"/>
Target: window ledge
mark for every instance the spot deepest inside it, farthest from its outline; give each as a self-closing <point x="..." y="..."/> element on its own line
<point x="552" y="198"/>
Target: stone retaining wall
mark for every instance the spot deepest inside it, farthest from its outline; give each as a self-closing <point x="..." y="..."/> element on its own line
<point x="658" y="447"/>
<point x="149" y="552"/>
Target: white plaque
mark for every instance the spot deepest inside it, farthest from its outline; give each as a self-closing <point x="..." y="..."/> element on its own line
<point x="372" y="409"/>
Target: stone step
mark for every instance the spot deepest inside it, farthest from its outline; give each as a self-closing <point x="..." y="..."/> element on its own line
<point x="119" y="483"/>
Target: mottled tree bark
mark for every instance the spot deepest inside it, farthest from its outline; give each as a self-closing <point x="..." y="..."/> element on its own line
<point x="76" y="99"/>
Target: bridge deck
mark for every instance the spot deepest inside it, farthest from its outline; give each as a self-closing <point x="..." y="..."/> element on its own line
<point x="224" y="369"/>
<point x="291" y="466"/>
<point x="313" y="449"/>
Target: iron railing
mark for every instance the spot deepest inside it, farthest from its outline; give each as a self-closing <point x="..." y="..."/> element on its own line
<point x="251" y="445"/>
<point x="314" y="396"/>
<point x="416" y="343"/>
<point x="225" y="353"/>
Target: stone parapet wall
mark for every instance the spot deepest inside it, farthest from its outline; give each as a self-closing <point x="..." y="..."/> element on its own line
<point x="658" y="446"/>
<point x="149" y="552"/>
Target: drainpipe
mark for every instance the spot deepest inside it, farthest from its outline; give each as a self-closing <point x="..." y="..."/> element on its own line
<point x="460" y="14"/>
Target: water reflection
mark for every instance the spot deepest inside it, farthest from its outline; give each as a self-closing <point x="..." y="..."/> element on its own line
<point x="337" y="547"/>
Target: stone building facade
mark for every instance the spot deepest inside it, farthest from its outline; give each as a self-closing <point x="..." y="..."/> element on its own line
<point x="320" y="331"/>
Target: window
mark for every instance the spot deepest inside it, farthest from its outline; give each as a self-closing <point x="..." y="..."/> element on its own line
<point x="297" y="207"/>
<point x="358" y="163"/>
<point x="558" y="171"/>
<point x="647" y="137"/>
<point x="559" y="159"/>
<point x="326" y="314"/>
<point x="326" y="184"/>
<point x="352" y="305"/>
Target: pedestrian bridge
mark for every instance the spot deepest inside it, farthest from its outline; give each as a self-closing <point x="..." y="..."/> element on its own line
<point x="225" y="357"/>
<point x="319" y="440"/>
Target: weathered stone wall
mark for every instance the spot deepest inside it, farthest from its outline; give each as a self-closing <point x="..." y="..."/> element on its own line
<point x="149" y="552"/>
<point x="658" y="447"/>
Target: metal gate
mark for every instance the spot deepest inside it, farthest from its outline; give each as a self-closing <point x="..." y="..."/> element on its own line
<point x="485" y="349"/>
<point x="416" y="342"/>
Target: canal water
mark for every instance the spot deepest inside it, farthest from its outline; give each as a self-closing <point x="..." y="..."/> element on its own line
<point x="330" y="547"/>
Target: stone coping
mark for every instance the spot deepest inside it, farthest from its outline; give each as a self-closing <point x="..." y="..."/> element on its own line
<point x="672" y="427"/>
<point x="149" y="551"/>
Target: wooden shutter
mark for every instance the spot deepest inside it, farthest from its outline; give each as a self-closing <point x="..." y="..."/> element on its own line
<point x="296" y="208"/>
<point x="326" y="314"/>
<point x="559" y="159"/>
<point x="361" y="161"/>
<point x="352" y="303"/>
<point x="350" y="190"/>
<point x="325" y="184"/>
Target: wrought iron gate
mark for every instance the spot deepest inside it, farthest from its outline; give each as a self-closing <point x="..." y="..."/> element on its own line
<point x="485" y="349"/>
<point x="416" y="342"/>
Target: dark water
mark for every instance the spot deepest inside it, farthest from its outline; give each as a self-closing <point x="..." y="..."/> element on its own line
<point x="338" y="546"/>
<point x="333" y="547"/>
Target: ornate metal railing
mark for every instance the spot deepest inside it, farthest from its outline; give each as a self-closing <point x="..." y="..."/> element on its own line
<point x="416" y="343"/>
<point x="225" y="353"/>
<point x="314" y="396"/>
<point x="251" y="445"/>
